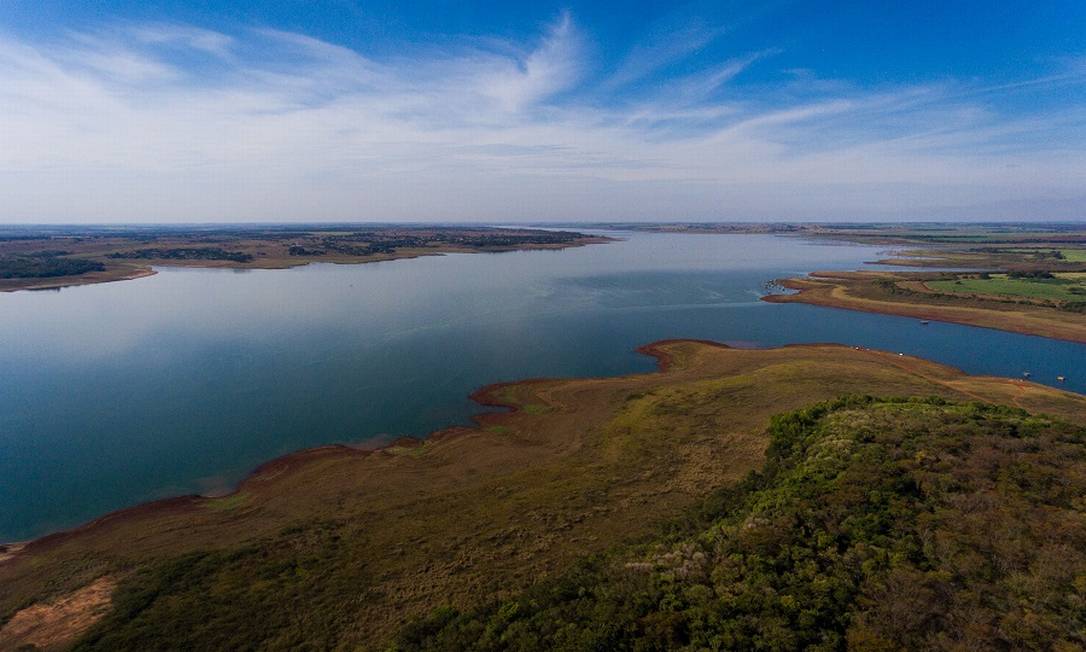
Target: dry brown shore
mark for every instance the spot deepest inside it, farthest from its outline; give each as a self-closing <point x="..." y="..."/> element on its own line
<point x="842" y="290"/>
<point x="117" y="273"/>
<point x="572" y="467"/>
<point x="126" y="270"/>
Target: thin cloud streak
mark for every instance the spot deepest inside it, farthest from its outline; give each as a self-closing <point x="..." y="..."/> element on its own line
<point x="661" y="51"/>
<point x="108" y="126"/>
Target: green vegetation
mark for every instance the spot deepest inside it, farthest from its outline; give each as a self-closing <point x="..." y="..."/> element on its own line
<point x="535" y="408"/>
<point x="1036" y="285"/>
<point x="46" y="265"/>
<point x="184" y="604"/>
<point x="378" y="242"/>
<point x="184" y="253"/>
<point x="874" y="525"/>
<point x="1040" y="253"/>
<point x="1034" y="300"/>
<point x="299" y="250"/>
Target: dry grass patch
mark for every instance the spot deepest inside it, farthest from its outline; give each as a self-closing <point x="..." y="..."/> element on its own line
<point x="56" y="624"/>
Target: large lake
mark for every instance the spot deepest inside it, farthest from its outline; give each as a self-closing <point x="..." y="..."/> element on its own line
<point x="184" y="381"/>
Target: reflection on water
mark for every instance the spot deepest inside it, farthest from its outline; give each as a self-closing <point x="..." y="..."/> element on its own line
<point x="183" y="381"/>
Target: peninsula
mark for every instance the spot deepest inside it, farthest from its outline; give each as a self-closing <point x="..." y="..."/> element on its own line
<point x="414" y="544"/>
<point x="1025" y="280"/>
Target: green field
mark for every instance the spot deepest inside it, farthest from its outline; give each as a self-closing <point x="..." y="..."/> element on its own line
<point x="1065" y="287"/>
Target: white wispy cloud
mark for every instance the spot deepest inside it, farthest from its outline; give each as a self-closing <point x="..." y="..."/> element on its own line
<point x="119" y="124"/>
<point x="207" y="41"/>
<point x="661" y="50"/>
<point x="550" y="68"/>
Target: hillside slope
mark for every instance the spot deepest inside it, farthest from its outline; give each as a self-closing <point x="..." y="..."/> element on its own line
<point x="874" y="525"/>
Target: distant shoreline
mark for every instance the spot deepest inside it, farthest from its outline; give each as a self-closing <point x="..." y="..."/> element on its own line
<point x="135" y="255"/>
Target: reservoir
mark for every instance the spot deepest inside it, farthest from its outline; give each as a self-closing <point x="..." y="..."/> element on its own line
<point x="184" y="381"/>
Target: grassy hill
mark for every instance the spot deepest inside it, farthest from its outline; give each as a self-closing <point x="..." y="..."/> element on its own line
<point x="873" y="525"/>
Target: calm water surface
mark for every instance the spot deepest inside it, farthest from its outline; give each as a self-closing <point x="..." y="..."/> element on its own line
<point x="184" y="381"/>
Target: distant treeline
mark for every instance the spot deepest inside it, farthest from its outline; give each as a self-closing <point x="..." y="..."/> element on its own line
<point x="369" y="243"/>
<point x="46" y="264"/>
<point x="184" y="253"/>
<point x="223" y="232"/>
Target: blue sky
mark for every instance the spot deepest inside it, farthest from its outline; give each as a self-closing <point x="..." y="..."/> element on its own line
<point x="461" y="111"/>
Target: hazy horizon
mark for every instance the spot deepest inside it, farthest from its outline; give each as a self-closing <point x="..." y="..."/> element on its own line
<point x="527" y="223"/>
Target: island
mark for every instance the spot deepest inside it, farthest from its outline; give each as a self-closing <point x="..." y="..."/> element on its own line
<point x="798" y="496"/>
<point x="39" y="257"/>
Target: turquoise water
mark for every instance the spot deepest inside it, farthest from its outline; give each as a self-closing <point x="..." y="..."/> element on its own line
<point x="184" y="381"/>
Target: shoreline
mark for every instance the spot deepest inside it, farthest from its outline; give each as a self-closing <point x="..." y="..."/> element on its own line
<point x="486" y="396"/>
<point x="61" y="282"/>
<point x="129" y="272"/>
<point x="826" y="289"/>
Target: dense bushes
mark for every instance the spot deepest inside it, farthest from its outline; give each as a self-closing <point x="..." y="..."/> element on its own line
<point x="46" y="265"/>
<point x="185" y="253"/>
<point x="299" y="250"/>
<point x="245" y="599"/>
<point x="875" y="525"/>
<point x="370" y="243"/>
<point x="1029" y="274"/>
